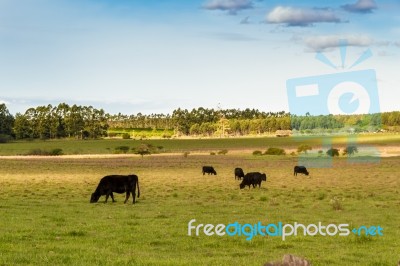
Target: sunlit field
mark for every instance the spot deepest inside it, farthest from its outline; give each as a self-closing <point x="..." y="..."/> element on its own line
<point x="107" y="146"/>
<point x="46" y="217"/>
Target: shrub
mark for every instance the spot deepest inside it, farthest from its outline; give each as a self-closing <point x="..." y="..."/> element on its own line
<point x="56" y="152"/>
<point x="293" y="153"/>
<point x="304" y="148"/>
<point x="5" y="138"/>
<point x="126" y="136"/>
<point x="166" y="135"/>
<point x="212" y="153"/>
<point x="40" y="152"/>
<point x="333" y="152"/>
<point x="37" y="152"/>
<point x="275" y="151"/>
<point x="186" y="154"/>
<point x="112" y="134"/>
<point x="123" y="149"/>
<point x="350" y="150"/>
<point x="257" y="153"/>
<point x="223" y="152"/>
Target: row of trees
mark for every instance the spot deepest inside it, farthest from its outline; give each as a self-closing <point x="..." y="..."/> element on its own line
<point x="49" y="122"/>
<point x="369" y="122"/>
<point x="183" y="119"/>
<point x="76" y="121"/>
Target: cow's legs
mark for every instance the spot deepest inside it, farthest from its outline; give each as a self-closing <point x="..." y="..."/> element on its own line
<point x="107" y="195"/>
<point x="127" y="196"/>
<point x="112" y="196"/>
<point x="134" y="195"/>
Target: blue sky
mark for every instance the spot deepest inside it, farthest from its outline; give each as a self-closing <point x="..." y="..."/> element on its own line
<point x="155" y="56"/>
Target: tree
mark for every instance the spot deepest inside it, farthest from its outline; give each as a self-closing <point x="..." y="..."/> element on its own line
<point x="350" y="150"/>
<point x="223" y="126"/>
<point x="6" y="121"/>
<point x="304" y="148"/>
<point x="195" y="129"/>
<point x="22" y="127"/>
<point x="143" y="149"/>
<point x="332" y="152"/>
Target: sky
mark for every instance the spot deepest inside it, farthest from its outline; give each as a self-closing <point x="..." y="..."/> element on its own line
<point x="154" y="56"/>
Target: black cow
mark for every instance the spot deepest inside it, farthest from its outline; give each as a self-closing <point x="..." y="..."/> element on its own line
<point x="118" y="184"/>
<point x="239" y="173"/>
<point x="209" y="170"/>
<point x="300" y="170"/>
<point x="253" y="178"/>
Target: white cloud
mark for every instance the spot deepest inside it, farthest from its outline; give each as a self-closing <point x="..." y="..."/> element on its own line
<point x="292" y="16"/>
<point x="327" y="42"/>
<point x="361" y="6"/>
<point x="232" y="6"/>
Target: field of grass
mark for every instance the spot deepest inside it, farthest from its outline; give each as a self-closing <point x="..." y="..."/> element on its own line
<point x="107" y="146"/>
<point x="46" y="217"/>
<point x="141" y="132"/>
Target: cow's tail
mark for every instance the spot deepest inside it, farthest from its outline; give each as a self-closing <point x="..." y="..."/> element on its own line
<point x="138" y="190"/>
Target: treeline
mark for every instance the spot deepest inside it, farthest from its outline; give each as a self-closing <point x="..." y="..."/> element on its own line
<point x="359" y="123"/>
<point x="182" y="119"/>
<point x="65" y="121"/>
<point x="209" y="122"/>
<point x="50" y="122"/>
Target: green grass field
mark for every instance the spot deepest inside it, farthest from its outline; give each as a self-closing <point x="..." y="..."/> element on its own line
<point x="107" y="146"/>
<point x="46" y="217"/>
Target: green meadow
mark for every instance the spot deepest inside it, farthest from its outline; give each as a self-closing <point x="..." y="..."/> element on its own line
<point x="107" y="146"/>
<point x="46" y="217"/>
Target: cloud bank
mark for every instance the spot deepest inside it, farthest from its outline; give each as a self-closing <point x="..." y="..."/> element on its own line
<point x="292" y="16"/>
<point x="327" y="42"/>
<point x="361" y="6"/>
<point x="232" y="6"/>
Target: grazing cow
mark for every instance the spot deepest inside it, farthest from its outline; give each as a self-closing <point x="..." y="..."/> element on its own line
<point x="300" y="170"/>
<point x="118" y="184"/>
<point x="209" y="170"/>
<point x="253" y="178"/>
<point x="239" y="173"/>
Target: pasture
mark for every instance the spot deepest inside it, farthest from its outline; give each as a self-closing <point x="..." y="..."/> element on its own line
<point x="46" y="217"/>
<point x="107" y="146"/>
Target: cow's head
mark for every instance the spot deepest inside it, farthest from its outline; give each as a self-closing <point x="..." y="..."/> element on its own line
<point x="264" y="177"/>
<point x="242" y="186"/>
<point x="215" y="172"/>
<point x="306" y="172"/>
<point x="94" y="198"/>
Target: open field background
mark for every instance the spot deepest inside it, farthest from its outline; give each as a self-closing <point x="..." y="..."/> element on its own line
<point x="46" y="217"/>
<point x="107" y="146"/>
